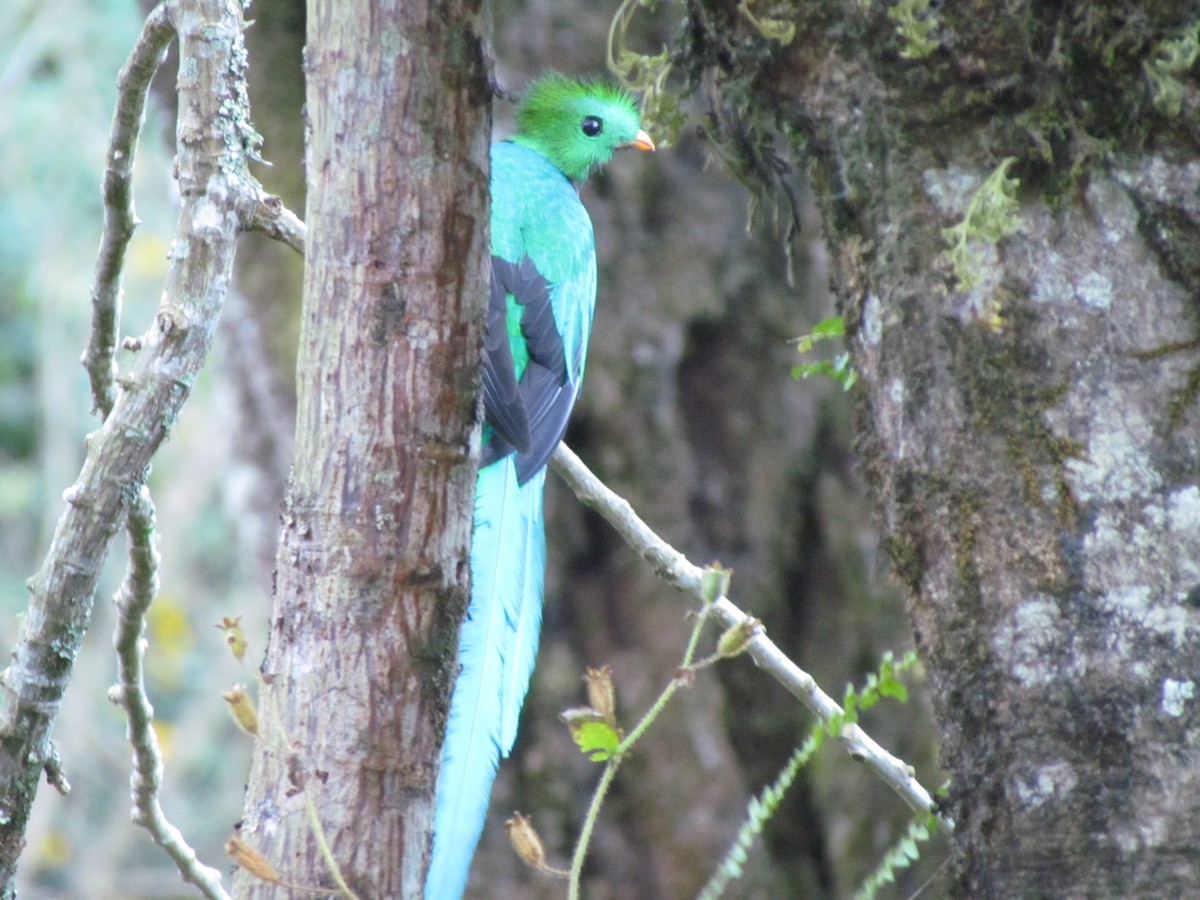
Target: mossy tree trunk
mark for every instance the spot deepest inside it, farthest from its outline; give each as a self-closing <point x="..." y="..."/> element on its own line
<point x="371" y="573"/>
<point x="1028" y="417"/>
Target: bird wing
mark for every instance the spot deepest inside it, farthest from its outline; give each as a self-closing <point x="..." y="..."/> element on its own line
<point x="503" y="406"/>
<point x="542" y="299"/>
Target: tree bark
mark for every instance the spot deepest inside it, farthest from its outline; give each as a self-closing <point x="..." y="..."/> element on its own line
<point x="1031" y="438"/>
<point x="372" y="568"/>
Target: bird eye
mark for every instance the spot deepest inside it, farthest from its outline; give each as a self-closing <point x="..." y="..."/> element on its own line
<point x="592" y="126"/>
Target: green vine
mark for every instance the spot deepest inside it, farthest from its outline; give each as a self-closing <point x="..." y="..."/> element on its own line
<point x="758" y="814"/>
<point x="645" y="74"/>
<point x="883" y="683"/>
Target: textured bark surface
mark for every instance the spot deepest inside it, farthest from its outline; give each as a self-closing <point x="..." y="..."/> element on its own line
<point x="371" y="574"/>
<point x="1032" y="440"/>
<point x="1043" y="507"/>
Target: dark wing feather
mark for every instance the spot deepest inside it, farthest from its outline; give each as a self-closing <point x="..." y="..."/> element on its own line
<point x="546" y="388"/>
<point x="542" y="336"/>
<point x="503" y="407"/>
<point x="547" y="419"/>
<point x="545" y="393"/>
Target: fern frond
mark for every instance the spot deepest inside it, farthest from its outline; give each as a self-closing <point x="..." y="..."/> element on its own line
<point x="759" y="812"/>
<point x="900" y="856"/>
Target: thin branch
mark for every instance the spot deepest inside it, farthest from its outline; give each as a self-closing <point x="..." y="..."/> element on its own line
<point x="270" y="217"/>
<point x="141" y="580"/>
<point x="56" y="776"/>
<point x="589" y="823"/>
<point x="675" y="568"/>
<point x="318" y="831"/>
<point x="133" y="600"/>
<point x="133" y="84"/>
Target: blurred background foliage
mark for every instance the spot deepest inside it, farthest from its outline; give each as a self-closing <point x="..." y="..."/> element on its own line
<point x="689" y="410"/>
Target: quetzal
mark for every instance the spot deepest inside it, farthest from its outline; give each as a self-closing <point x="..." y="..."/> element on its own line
<point x="543" y="293"/>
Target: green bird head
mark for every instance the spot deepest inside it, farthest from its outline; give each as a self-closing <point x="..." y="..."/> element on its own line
<point x="578" y="125"/>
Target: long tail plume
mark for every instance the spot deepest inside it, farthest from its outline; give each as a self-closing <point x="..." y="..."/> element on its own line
<point x="497" y="649"/>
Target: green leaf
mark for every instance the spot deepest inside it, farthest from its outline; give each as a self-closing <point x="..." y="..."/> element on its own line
<point x="839" y="368"/>
<point x="834" y="326"/>
<point x="597" y="739"/>
<point x="835" y="724"/>
<point x="843" y="371"/>
<point x="992" y="214"/>
<point x="889" y="684"/>
<point x="850" y="705"/>
<point x="894" y="689"/>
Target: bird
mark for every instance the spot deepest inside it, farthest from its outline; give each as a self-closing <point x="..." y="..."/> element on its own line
<point x="539" y="317"/>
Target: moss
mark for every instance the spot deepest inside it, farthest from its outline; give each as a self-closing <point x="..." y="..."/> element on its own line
<point x="907" y="558"/>
<point x="992" y="214"/>
<point x="916" y="25"/>
<point x="1004" y="392"/>
<point x="437" y="658"/>
<point x="965" y="512"/>
<point x="1056" y="86"/>
<point x="1171" y="59"/>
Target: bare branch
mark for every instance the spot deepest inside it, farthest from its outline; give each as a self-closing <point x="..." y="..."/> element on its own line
<point x="133" y="84"/>
<point x="213" y="141"/>
<point x="275" y="220"/>
<point x="56" y="777"/>
<point x="675" y="568"/>
<point x="133" y="600"/>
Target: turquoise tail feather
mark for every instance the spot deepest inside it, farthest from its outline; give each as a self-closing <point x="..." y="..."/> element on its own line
<point x="497" y="649"/>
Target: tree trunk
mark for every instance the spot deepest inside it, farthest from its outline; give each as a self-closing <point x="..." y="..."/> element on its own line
<point x="1032" y="436"/>
<point x="371" y="574"/>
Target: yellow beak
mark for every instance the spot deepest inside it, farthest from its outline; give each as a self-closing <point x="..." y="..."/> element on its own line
<point x="641" y="141"/>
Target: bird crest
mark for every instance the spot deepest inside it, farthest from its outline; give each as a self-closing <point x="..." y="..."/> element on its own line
<point x="578" y="124"/>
